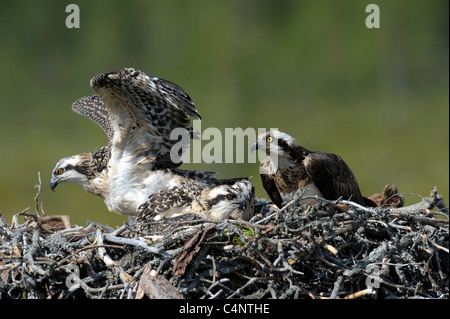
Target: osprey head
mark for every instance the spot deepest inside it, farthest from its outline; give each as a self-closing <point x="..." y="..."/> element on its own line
<point x="223" y="200"/>
<point x="72" y="169"/>
<point x="273" y="143"/>
<point x="246" y="189"/>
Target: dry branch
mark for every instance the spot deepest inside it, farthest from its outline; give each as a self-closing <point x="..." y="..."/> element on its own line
<point x="155" y="287"/>
<point x="324" y="251"/>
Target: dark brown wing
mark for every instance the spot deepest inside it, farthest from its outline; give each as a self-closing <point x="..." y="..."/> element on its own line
<point x="368" y="202"/>
<point x="332" y="176"/>
<point x="269" y="185"/>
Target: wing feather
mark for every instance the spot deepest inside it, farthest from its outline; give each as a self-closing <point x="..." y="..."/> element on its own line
<point x="269" y="184"/>
<point x="94" y="109"/>
<point x="271" y="188"/>
<point x="206" y="177"/>
<point x="332" y="176"/>
<point x="166" y="200"/>
<point x="131" y="102"/>
<point x="177" y="97"/>
<point x="149" y="100"/>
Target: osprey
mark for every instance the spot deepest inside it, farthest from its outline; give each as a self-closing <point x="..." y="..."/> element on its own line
<point x="208" y="202"/>
<point x="247" y="191"/>
<point x="388" y="198"/>
<point x="138" y="113"/>
<point x="290" y="169"/>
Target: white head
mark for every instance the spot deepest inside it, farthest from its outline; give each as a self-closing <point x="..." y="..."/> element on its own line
<point x="222" y="201"/>
<point x="278" y="146"/>
<point x="273" y="142"/>
<point x="71" y="169"/>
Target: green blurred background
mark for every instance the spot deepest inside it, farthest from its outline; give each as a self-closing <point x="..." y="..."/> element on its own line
<point x="377" y="97"/>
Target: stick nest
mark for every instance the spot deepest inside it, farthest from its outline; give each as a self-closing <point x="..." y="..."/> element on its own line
<point x="333" y="249"/>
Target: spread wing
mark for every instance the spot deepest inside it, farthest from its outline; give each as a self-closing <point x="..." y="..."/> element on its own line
<point x="93" y="108"/>
<point x="332" y="176"/>
<point x="141" y="111"/>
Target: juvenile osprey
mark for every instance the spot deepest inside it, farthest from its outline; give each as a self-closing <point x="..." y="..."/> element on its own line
<point x="388" y="198"/>
<point x="138" y="112"/>
<point x="291" y="169"/>
<point x="209" y="202"/>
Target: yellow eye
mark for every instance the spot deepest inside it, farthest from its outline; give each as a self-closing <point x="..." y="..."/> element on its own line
<point x="269" y="139"/>
<point x="59" y="172"/>
<point x="229" y="196"/>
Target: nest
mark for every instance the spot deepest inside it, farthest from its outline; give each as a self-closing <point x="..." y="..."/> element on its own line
<point x="333" y="249"/>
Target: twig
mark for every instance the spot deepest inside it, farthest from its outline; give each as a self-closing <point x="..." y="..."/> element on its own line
<point x="31" y="251"/>
<point x="297" y="197"/>
<point x="423" y="220"/>
<point x="218" y="282"/>
<point x="210" y="257"/>
<point x="133" y="242"/>
<point x="361" y="293"/>
<point x="38" y="194"/>
<point x="432" y="242"/>
<point x="434" y="200"/>
<point x="86" y="248"/>
<point x="124" y="277"/>
<point x="337" y="286"/>
<point x="248" y="283"/>
<point x="286" y="265"/>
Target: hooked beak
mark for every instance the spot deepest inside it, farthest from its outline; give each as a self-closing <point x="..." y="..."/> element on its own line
<point x="242" y="205"/>
<point x="53" y="184"/>
<point x="254" y="146"/>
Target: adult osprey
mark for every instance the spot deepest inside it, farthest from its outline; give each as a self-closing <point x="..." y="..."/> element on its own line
<point x="291" y="169"/>
<point x="138" y="113"/>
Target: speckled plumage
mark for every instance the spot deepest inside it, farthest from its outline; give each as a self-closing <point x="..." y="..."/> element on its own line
<point x="209" y="202"/>
<point x="138" y="112"/>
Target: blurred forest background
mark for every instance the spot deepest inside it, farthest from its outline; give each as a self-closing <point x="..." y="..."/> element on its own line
<point x="377" y="97"/>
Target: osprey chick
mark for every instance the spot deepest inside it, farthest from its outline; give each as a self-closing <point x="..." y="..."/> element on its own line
<point x="247" y="191"/>
<point x="209" y="202"/>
